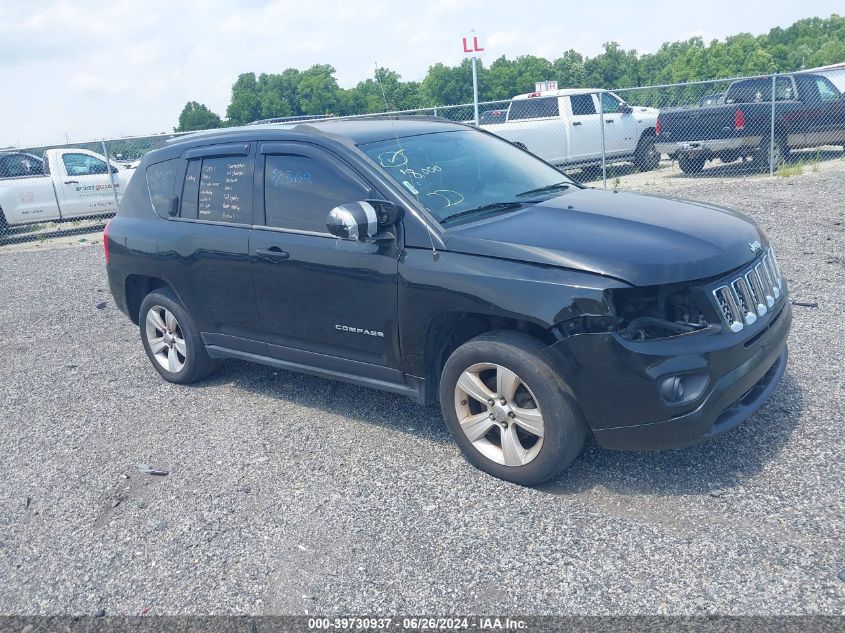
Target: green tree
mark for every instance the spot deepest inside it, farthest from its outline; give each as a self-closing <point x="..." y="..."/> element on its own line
<point x="804" y="44"/>
<point x="197" y="116"/>
<point x="317" y="91"/>
<point x="246" y="104"/>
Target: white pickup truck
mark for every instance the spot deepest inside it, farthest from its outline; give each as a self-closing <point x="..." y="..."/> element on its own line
<point x="65" y="183"/>
<point x="563" y="127"/>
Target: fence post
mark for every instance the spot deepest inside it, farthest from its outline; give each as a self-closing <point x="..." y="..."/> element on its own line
<point x="772" y="132"/>
<point x="111" y="175"/>
<point x="603" y="161"/>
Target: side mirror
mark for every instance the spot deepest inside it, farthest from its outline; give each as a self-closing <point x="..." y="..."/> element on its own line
<point x="360" y="221"/>
<point x="624" y="108"/>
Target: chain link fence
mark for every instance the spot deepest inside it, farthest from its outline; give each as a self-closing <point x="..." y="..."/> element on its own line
<point x="741" y="127"/>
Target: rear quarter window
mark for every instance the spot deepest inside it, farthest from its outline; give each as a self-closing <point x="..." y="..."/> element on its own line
<point x="160" y="180"/>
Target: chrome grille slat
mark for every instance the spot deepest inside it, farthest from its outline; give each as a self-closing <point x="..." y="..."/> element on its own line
<point x="768" y="291"/>
<point x="757" y="289"/>
<point x="744" y="299"/>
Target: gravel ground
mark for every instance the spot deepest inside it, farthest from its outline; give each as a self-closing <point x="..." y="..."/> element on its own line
<point x="292" y="494"/>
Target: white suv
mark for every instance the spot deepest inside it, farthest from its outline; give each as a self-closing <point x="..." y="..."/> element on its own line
<point x="563" y="127"/>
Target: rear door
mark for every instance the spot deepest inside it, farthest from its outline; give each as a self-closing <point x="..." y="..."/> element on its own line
<point x="28" y="192"/>
<point x="536" y="123"/>
<point x="204" y="252"/>
<point x="84" y="185"/>
<point x="323" y="302"/>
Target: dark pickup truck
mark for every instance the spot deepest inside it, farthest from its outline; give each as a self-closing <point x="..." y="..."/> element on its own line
<point x="809" y="111"/>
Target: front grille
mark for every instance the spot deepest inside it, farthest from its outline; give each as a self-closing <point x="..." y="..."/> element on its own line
<point x="751" y="294"/>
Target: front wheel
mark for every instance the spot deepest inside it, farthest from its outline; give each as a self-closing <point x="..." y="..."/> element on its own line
<point x="172" y="340"/>
<point x="507" y="410"/>
<point x="646" y="157"/>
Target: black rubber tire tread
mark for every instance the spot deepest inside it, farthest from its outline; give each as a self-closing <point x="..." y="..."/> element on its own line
<point x="198" y="364"/>
<point x="643" y="159"/>
<point x="565" y="428"/>
<point x="691" y="164"/>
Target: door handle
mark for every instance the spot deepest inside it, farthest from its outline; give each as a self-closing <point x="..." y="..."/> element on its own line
<point x="71" y="182"/>
<point x="576" y="123"/>
<point x="273" y="254"/>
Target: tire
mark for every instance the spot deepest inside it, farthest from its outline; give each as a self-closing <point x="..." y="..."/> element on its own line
<point x="514" y="365"/>
<point x="4" y="226"/>
<point x="691" y="164"/>
<point x="646" y="156"/>
<point x="180" y="355"/>
<point x="590" y="173"/>
<point x="764" y="160"/>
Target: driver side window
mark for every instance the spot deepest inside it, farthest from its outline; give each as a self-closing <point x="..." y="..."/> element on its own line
<point x="83" y="165"/>
<point x="299" y="191"/>
<point x="609" y="103"/>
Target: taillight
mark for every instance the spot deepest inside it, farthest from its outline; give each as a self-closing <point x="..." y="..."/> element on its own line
<point x="739" y="120"/>
<point x="106" y="240"/>
<point x="657" y="127"/>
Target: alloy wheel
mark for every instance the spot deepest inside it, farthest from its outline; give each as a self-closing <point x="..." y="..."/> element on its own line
<point x="499" y="414"/>
<point x="165" y="338"/>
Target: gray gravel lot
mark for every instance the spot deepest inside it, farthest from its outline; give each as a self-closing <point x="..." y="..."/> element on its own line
<point x="293" y="494"/>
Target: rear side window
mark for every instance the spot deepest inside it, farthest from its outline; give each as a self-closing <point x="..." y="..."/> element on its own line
<point x="20" y="166"/>
<point x="299" y="191"/>
<point x="759" y="90"/>
<point x="582" y="104"/>
<point x="218" y="189"/>
<point x="160" y="180"/>
<point x="533" y="108"/>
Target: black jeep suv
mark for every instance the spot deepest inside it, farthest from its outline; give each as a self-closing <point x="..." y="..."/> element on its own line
<point x="435" y="260"/>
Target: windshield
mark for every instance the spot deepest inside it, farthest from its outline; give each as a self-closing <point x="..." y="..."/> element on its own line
<point x="465" y="173"/>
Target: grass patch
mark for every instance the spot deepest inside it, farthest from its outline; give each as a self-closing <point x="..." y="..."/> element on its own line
<point x="786" y="171"/>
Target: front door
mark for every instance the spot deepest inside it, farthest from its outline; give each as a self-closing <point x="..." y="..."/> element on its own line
<point x="85" y="187"/>
<point x="621" y="130"/>
<point x="584" y="129"/>
<point x="322" y="301"/>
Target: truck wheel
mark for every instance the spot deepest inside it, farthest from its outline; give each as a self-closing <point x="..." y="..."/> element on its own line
<point x="4" y="226"/>
<point x="646" y="156"/>
<point x="768" y="158"/>
<point x="506" y="408"/>
<point x="691" y="164"/>
<point x="171" y="339"/>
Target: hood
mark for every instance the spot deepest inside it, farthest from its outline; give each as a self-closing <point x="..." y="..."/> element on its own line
<point x="643" y="240"/>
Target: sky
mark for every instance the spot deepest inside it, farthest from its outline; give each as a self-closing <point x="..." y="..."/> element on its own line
<point x="87" y="69"/>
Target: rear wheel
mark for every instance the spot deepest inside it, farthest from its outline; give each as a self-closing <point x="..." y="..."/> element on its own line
<point x="506" y="408"/>
<point x="769" y="157"/>
<point x="691" y="164"/>
<point x="646" y="157"/>
<point x="172" y="340"/>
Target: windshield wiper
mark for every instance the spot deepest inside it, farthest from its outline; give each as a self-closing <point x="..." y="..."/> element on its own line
<point x="493" y="206"/>
<point x="555" y="187"/>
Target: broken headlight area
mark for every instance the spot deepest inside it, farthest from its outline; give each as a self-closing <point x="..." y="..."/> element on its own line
<point x="657" y="312"/>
